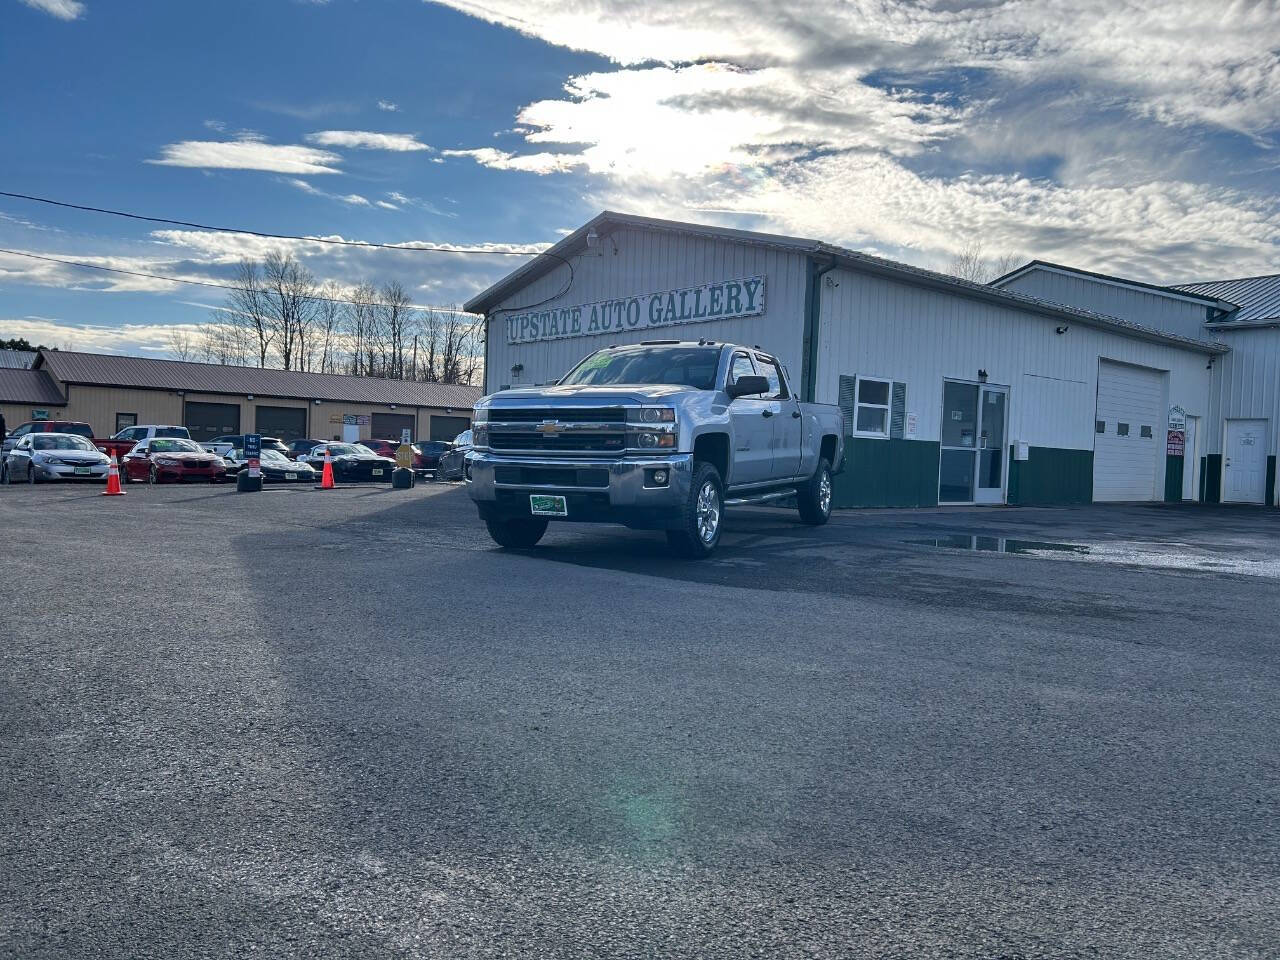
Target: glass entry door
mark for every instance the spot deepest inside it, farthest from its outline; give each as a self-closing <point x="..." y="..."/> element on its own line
<point x="972" y="466"/>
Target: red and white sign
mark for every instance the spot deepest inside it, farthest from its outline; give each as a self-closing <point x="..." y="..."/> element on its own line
<point x="1177" y="445"/>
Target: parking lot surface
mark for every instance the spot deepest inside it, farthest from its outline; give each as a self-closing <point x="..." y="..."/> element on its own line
<point x="344" y="724"/>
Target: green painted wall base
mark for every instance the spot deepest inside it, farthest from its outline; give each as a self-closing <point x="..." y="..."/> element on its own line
<point x="1271" y="481"/>
<point x="1173" y="468"/>
<point x="888" y="473"/>
<point x="1051" y="477"/>
<point x="1211" y="478"/>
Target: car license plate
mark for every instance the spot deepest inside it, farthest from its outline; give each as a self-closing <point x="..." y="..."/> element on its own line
<point x="544" y="506"/>
<point x="377" y="472"/>
<point x="84" y="471"/>
<point x="291" y="476"/>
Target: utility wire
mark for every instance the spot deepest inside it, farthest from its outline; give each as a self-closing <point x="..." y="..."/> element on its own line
<point x="206" y="283"/>
<point x="480" y="251"/>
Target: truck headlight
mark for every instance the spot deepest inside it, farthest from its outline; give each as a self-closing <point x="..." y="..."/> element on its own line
<point x="650" y="441"/>
<point x="652" y="415"/>
<point x="479" y="436"/>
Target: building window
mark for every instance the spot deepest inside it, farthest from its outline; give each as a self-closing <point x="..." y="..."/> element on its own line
<point x="1099" y="426"/>
<point x="1122" y="429"/>
<point x="126" y="420"/>
<point x="1145" y="433"/>
<point x="871" y="412"/>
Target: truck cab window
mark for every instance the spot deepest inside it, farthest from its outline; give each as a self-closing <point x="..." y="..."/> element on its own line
<point x="769" y="368"/>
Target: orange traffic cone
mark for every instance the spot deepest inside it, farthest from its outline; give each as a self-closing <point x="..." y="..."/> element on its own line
<point x="326" y="478"/>
<point x="113" y="480"/>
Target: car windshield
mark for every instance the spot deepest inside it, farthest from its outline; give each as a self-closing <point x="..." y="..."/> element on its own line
<point x="174" y="445"/>
<point x="646" y="366"/>
<point x="346" y="449"/>
<point x="173" y="432"/>
<point x="361" y="449"/>
<point x="79" y="429"/>
<point x="463" y="439"/>
<point x="275" y="456"/>
<point x="435" y="446"/>
<point x="60" y="441"/>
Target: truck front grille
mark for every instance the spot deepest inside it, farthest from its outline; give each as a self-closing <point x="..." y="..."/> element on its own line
<point x="562" y="414"/>
<point x="551" y="477"/>
<point x="575" y="442"/>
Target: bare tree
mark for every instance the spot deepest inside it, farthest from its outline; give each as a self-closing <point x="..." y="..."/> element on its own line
<point x="451" y="346"/>
<point x="358" y="323"/>
<point x="291" y="306"/>
<point x="327" y="332"/>
<point x="395" y="322"/>
<point x="973" y="264"/>
<point x="224" y="340"/>
<point x="248" y="307"/>
<point x="182" y="343"/>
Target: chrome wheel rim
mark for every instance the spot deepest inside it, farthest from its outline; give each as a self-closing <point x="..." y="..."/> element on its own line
<point x="708" y="512"/>
<point x="824" y="492"/>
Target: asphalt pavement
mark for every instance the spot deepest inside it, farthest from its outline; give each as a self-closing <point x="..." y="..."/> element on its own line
<point x="344" y="724"/>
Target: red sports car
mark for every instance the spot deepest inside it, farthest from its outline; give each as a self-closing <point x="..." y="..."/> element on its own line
<point x="162" y="459"/>
<point x="424" y="460"/>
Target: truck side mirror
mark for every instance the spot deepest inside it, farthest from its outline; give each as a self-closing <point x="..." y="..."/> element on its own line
<point x="747" y="386"/>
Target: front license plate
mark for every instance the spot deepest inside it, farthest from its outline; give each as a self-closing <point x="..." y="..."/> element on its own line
<point x="377" y="473"/>
<point x="84" y="471"/>
<point x="291" y="476"/>
<point x="544" y="506"/>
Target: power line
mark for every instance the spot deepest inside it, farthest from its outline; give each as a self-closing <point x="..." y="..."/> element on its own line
<point x="202" y="283"/>
<point x="480" y="251"/>
<point x="450" y="248"/>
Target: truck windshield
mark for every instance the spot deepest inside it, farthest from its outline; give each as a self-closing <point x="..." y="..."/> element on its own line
<point x="647" y="366"/>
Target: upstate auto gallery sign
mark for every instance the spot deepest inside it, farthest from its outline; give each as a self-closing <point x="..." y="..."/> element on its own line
<point x="724" y="300"/>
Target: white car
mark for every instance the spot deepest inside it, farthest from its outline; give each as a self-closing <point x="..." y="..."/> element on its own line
<point x="54" y="456"/>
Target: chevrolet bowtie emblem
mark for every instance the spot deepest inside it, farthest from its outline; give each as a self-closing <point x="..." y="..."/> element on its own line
<point x="550" y="426"/>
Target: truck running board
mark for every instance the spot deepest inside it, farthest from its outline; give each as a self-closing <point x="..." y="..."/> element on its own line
<point x="759" y="497"/>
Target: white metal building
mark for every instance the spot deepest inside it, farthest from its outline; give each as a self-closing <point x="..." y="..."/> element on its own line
<point x="953" y="392"/>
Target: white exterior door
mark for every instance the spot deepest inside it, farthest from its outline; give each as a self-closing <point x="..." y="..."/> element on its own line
<point x="1191" y="460"/>
<point x="1130" y="409"/>
<point x="350" y="433"/>
<point x="1244" y="461"/>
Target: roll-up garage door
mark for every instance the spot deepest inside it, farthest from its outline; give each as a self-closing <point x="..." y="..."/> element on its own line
<point x="1126" y="432"/>
<point x="387" y="426"/>
<point x="446" y="428"/>
<point x="208" y="420"/>
<point x="284" y="423"/>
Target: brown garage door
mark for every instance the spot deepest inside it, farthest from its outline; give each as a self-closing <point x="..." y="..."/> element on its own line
<point x="208" y="420"/>
<point x="287" y="423"/>
<point x="387" y="426"/>
<point x="446" y="428"/>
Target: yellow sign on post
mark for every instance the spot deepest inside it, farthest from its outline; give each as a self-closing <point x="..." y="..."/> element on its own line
<point x="404" y="456"/>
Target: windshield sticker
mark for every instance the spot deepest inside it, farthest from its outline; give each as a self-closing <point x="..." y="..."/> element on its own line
<point x="724" y="300"/>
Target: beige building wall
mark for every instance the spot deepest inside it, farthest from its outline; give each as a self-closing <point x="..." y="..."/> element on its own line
<point x="98" y="407"/>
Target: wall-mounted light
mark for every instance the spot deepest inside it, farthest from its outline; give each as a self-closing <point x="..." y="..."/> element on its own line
<point x="1209" y="365"/>
<point x="516" y="370"/>
<point x="982" y="376"/>
<point x="1060" y="330"/>
<point x="391" y="405"/>
<point x="182" y="393"/>
<point x="248" y="396"/>
<point x="316" y="402"/>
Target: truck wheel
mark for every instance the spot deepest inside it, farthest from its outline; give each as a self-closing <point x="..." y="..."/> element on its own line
<point x="701" y="516"/>
<point x="519" y="534"/>
<point x="813" y="497"/>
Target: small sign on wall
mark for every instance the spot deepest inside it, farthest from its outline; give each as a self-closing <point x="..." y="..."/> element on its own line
<point x="1177" y="443"/>
<point x="1177" y="418"/>
<point x="913" y="424"/>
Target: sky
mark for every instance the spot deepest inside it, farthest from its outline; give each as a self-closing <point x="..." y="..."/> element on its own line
<point x="1140" y="139"/>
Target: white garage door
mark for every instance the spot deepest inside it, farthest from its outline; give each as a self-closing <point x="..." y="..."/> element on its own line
<point x="1127" y="432"/>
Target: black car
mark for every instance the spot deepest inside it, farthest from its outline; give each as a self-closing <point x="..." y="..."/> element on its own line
<point x="432" y="451"/>
<point x="275" y="466"/>
<point x="450" y="464"/>
<point x="352" y="462"/>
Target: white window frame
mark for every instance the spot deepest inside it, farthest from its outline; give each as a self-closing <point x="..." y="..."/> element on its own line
<point x="886" y="407"/>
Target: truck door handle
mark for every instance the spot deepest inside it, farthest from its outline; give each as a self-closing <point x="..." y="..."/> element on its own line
<point x="795" y="414"/>
<point x="766" y="413"/>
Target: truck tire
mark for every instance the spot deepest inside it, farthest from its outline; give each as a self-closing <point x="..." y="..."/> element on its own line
<point x="813" y="497"/>
<point x="702" y="515"/>
<point x="521" y="533"/>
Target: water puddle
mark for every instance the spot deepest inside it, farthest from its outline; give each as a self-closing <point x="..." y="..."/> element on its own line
<point x="977" y="544"/>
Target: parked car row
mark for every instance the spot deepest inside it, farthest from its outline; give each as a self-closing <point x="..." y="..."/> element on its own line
<point x="161" y="454"/>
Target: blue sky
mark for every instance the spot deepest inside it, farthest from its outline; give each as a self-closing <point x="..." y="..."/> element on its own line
<point x="1131" y="138"/>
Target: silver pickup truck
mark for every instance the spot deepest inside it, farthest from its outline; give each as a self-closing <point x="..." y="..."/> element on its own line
<point x="655" y="436"/>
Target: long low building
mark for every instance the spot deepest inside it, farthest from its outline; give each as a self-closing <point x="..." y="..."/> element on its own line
<point x="1049" y="386"/>
<point x="112" y="393"/>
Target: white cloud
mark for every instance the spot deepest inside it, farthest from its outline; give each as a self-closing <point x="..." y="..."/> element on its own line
<point x="129" y="338"/>
<point x="386" y="206"/>
<point x="367" y="140"/>
<point x="62" y="9"/>
<point x="388" y="106"/>
<point x="248" y="154"/>
<point x="355" y="200"/>
<point x="903" y="127"/>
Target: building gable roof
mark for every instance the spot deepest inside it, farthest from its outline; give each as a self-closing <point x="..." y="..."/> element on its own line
<point x="606" y="222"/>
<point x="29" y="386"/>
<point x="1174" y="293"/>
<point x="1258" y="297"/>
<point x="109" y="370"/>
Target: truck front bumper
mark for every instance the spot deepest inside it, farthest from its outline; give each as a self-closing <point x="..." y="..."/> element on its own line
<point x="496" y="483"/>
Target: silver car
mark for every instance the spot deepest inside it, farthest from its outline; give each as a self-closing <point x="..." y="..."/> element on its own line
<point x="53" y="456"/>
